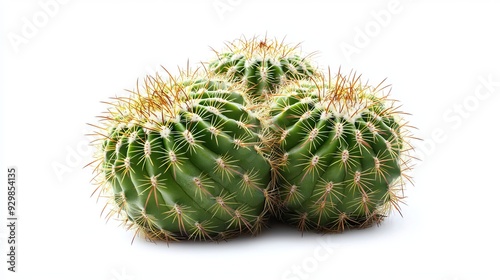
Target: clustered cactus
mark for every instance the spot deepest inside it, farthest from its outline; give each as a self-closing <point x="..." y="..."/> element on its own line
<point x="259" y="132"/>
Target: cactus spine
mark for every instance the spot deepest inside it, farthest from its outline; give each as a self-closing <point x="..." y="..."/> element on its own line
<point x="343" y="151"/>
<point x="183" y="158"/>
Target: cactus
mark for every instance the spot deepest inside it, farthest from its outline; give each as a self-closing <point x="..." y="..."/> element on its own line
<point x="183" y="158"/>
<point x="261" y="64"/>
<point x="343" y="152"/>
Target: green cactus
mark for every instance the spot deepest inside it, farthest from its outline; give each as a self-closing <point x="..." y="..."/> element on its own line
<point x="262" y="64"/>
<point x="209" y="156"/>
<point x="183" y="158"/>
<point x="343" y="153"/>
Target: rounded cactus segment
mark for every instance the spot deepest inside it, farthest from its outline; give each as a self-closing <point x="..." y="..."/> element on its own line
<point x="183" y="158"/>
<point x="262" y="64"/>
<point x="342" y="152"/>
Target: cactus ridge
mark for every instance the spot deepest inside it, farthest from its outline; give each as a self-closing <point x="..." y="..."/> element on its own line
<point x="262" y="64"/>
<point x="343" y="153"/>
<point x="183" y="158"/>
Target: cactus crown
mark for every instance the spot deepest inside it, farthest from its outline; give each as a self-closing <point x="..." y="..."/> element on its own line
<point x="262" y="65"/>
<point x="341" y="96"/>
<point x="257" y="47"/>
<point x="160" y="100"/>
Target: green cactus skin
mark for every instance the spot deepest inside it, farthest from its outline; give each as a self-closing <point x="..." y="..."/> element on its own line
<point x="262" y="64"/>
<point x="342" y="151"/>
<point x="185" y="159"/>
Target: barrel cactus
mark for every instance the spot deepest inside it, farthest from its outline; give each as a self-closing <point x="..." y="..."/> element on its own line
<point x="212" y="154"/>
<point x="262" y="64"/>
<point x="184" y="158"/>
<point x="343" y="152"/>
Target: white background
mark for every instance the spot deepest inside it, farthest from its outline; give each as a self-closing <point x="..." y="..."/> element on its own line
<point x="59" y="61"/>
